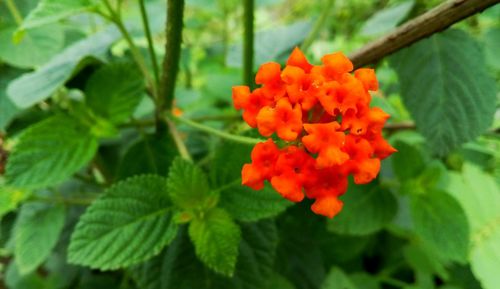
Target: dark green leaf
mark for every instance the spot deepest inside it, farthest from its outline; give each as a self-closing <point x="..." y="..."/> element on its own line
<point x="130" y="223"/>
<point x="178" y="268"/>
<point x="446" y="87"/>
<point x="114" y="91"/>
<point x="216" y="238"/>
<point x="240" y="201"/>
<point x="441" y="222"/>
<point x="49" y="152"/>
<point x="151" y="154"/>
<point x="36" y="232"/>
<point x="367" y="209"/>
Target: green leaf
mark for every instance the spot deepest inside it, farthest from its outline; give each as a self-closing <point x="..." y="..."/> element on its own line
<point x="10" y="198"/>
<point x="49" y="11"/>
<point x="188" y="186"/>
<point x="366" y="210"/>
<point x="441" y="222"/>
<point x="278" y="281"/>
<point x="240" y="201"/>
<point x="151" y="154"/>
<point x="491" y="39"/>
<point x="386" y="19"/>
<point x="49" y="152"/>
<point x="36" y="232"/>
<point x="114" y="91"/>
<point x="33" y="48"/>
<point x="15" y="280"/>
<point x="424" y="259"/>
<point x="446" y="87"/>
<point x="36" y="86"/>
<point x="7" y="109"/>
<point x="271" y="43"/>
<point x="177" y="267"/>
<point x="216" y="238"/>
<point x="130" y="223"/>
<point x="409" y="162"/>
<point x="337" y="279"/>
<point x="479" y="195"/>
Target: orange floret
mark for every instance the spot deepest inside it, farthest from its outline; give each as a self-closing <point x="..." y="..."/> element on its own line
<point x="298" y="59"/>
<point x="324" y="139"/>
<point x="284" y="119"/>
<point x="328" y="132"/>
<point x="367" y="77"/>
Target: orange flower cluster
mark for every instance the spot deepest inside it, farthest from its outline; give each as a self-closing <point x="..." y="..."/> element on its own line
<point x="324" y="116"/>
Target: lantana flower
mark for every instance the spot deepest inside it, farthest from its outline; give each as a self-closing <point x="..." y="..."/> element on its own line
<point x="328" y="130"/>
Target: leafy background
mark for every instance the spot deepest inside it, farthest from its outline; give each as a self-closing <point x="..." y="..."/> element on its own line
<point x="91" y="196"/>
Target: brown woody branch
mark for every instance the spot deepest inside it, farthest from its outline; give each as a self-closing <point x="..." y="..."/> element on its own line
<point x="433" y="21"/>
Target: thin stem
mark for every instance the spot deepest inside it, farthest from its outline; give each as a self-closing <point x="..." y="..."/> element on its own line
<point x="181" y="147"/>
<point x="320" y="23"/>
<point x="151" y="48"/>
<point x="248" y="41"/>
<point x="221" y="134"/>
<point x="115" y="17"/>
<point x="62" y="200"/>
<point x="175" y="13"/>
<point x="14" y="11"/>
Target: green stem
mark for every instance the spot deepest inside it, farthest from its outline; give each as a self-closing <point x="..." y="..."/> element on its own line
<point x="14" y="11"/>
<point x="317" y="26"/>
<point x="115" y="17"/>
<point x="221" y="134"/>
<point x="175" y="12"/>
<point x="248" y="40"/>
<point x="181" y="147"/>
<point x="151" y="48"/>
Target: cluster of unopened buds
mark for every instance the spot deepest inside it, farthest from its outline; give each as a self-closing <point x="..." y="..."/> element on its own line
<point x="327" y="128"/>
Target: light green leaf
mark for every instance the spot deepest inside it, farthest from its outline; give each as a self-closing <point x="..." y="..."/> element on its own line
<point x="130" y="223"/>
<point x="386" y="19"/>
<point x="271" y="44"/>
<point x="216" y="239"/>
<point x="34" y="48"/>
<point x="241" y="202"/>
<point x="15" y="280"/>
<point x="36" y="86"/>
<point x="7" y="109"/>
<point x="151" y="154"/>
<point x="367" y="209"/>
<point x="114" y="91"/>
<point x="36" y="232"/>
<point x="491" y="39"/>
<point x="49" y="11"/>
<point x="337" y="279"/>
<point x="424" y="259"/>
<point x="49" y="152"/>
<point x="479" y="195"/>
<point x="441" y="222"/>
<point x="446" y="87"/>
<point x="10" y="198"/>
<point x="188" y="186"/>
